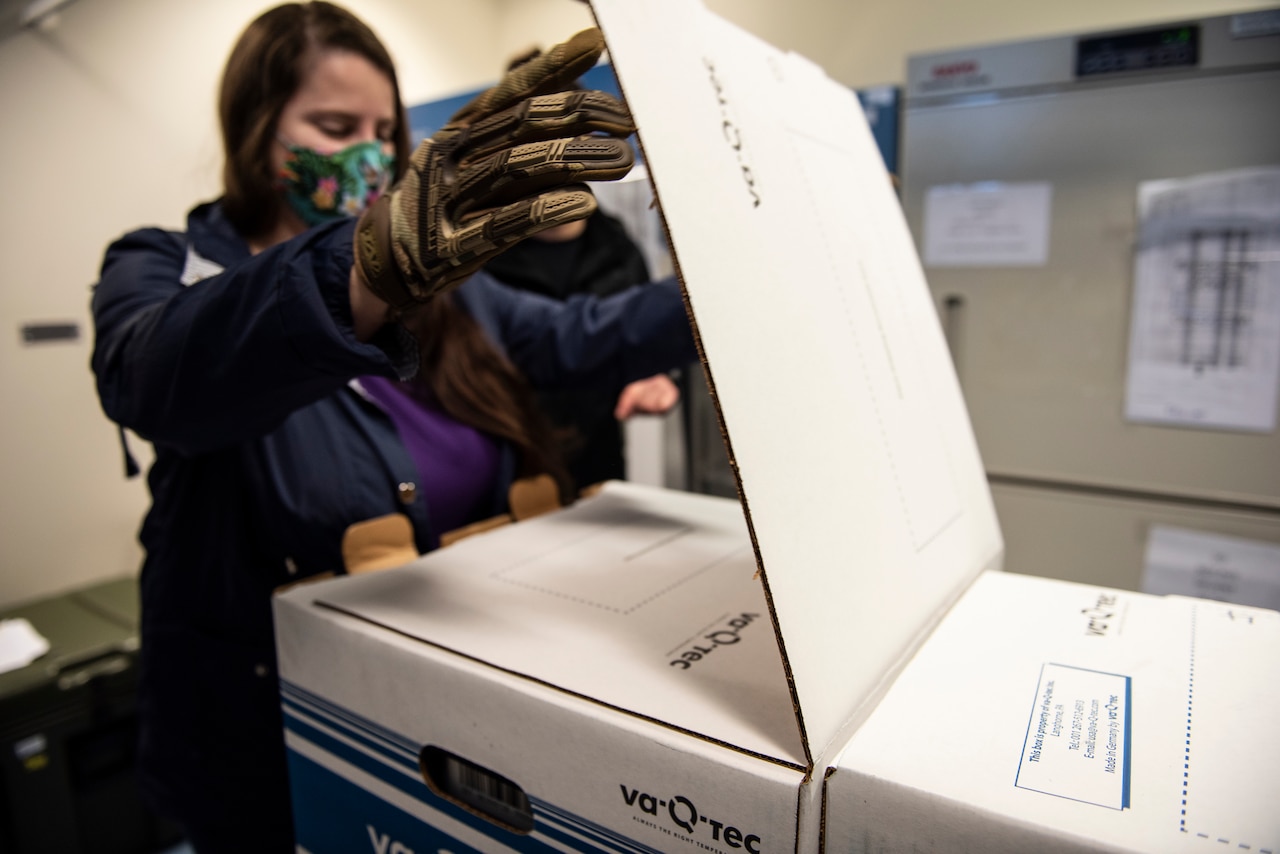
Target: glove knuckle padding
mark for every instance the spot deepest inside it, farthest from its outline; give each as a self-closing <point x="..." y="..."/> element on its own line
<point x="496" y="174"/>
<point x="539" y="167"/>
<point x="565" y="114"/>
<point x="599" y="155"/>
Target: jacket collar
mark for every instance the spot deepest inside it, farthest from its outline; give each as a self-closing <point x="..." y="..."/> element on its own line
<point x="213" y="237"/>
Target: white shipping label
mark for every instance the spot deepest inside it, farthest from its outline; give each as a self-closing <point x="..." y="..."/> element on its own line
<point x="1077" y="743"/>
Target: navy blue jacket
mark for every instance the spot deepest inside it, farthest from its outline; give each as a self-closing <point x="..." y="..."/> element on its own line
<point x="237" y="369"/>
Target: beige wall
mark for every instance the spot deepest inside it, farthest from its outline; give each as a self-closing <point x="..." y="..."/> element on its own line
<point x="108" y="125"/>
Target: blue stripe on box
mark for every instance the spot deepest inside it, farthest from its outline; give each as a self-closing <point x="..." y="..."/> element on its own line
<point x="605" y="839"/>
<point x="348" y="719"/>
<point x="1128" y="741"/>
<point x="331" y="812"/>
<point x="332" y="815"/>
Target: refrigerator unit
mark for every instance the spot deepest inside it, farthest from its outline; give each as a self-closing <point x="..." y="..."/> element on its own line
<point x="1022" y="169"/>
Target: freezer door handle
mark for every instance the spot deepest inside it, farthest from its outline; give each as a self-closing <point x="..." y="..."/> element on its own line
<point x="952" y="315"/>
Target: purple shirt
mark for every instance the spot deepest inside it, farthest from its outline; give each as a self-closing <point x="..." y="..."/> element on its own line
<point x="457" y="464"/>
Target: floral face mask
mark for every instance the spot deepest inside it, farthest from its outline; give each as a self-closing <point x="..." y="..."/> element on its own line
<point x="324" y="187"/>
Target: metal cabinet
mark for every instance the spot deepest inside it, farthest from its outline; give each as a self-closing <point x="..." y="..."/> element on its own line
<point x="1041" y="348"/>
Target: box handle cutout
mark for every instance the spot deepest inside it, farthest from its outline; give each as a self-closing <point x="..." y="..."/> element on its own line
<point x="476" y="789"/>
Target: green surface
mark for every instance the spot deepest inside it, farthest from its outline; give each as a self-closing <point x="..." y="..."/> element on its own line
<point x="115" y="600"/>
<point x="91" y="632"/>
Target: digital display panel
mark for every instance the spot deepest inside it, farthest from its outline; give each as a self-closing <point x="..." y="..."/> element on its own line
<point x="1171" y="47"/>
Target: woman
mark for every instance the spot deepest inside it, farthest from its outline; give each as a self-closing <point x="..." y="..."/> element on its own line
<point x="257" y="352"/>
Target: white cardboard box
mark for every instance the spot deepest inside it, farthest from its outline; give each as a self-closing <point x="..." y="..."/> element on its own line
<point x="1049" y="716"/>
<point x="615" y="661"/>
<point x="658" y="671"/>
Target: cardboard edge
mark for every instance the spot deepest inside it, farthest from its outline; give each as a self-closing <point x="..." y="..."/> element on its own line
<point x="822" y="819"/>
<point x="809" y="806"/>
<point x="772" y="760"/>
<point x="743" y="501"/>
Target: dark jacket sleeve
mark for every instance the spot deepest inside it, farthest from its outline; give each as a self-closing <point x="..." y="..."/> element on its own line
<point x="199" y="367"/>
<point x="585" y="340"/>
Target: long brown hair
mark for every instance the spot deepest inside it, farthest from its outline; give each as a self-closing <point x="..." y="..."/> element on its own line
<point x="461" y="370"/>
<point x="263" y="72"/>
<point x="465" y="375"/>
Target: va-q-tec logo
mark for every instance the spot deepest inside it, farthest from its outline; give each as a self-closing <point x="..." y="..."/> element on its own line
<point x="681" y="813"/>
<point x="732" y="133"/>
<point x="1101" y="615"/>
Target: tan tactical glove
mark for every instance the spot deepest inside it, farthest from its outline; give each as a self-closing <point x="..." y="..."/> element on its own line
<point x="506" y="166"/>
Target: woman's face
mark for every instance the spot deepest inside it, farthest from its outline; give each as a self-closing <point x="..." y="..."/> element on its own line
<point x="343" y="99"/>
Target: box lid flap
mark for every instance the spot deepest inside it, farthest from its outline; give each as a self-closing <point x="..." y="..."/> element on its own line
<point x="858" y="473"/>
<point x="640" y="599"/>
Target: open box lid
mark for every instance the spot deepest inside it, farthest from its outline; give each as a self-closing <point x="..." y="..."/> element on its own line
<point x="857" y="468"/>
<point x="864" y="512"/>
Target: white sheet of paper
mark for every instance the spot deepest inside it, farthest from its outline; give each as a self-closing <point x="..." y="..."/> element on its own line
<point x="1212" y="566"/>
<point x="988" y="224"/>
<point x="1204" y="343"/>
<point x="20" y="644"/>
